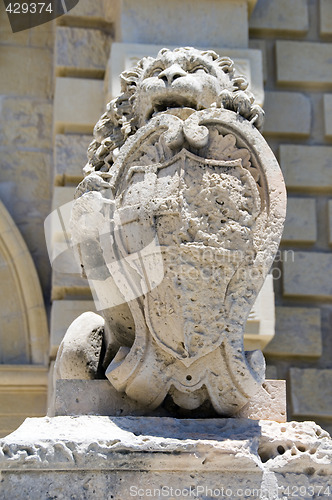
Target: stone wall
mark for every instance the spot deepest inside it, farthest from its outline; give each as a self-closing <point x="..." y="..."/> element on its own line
<point x="26" y="97"/>
<point x="295" y="38"/>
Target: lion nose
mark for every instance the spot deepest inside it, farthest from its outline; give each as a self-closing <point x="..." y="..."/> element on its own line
<point x="172" y="73"/>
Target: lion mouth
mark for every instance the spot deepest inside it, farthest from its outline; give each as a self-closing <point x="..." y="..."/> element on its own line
<point x="171" y="103"/>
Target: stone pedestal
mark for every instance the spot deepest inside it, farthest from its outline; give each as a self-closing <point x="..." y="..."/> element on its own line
<point x="146" y="457"/>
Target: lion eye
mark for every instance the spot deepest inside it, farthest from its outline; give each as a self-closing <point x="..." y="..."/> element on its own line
<point x="156" y="71"/>
<point x="200" y="67"/>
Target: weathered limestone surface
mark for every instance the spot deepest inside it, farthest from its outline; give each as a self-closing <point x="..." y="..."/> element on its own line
<point x="283" y="16"/>
<point x="88" y="456"/>
<point x="298" y="333"/>
<point x="315" y="281"/>
<point x="301" y="221"/>
<point x="287" y="113"/>
<point x="27" y="122"/>
<point x="311" y="392"/>
<point x="306" y="167"/>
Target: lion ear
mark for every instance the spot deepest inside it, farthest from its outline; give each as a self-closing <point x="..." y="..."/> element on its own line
<point x="210" y="53"/>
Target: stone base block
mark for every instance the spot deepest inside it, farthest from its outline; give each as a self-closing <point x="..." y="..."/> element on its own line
<point x="149" y="457"/>
<point x="98" y="397"/>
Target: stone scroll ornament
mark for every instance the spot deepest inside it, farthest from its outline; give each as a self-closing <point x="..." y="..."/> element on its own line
<point x="176" y="225"/>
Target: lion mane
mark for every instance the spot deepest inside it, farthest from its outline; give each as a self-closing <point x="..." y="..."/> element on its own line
<point x="120" y="119"/>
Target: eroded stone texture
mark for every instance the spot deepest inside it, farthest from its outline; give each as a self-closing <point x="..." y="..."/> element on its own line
<point x="88" y="456"/>
<point x="84" y="337"/>
<point x="176" y="226"/>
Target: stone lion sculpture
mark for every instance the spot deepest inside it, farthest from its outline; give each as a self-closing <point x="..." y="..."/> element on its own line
<point x="175" y="225"/>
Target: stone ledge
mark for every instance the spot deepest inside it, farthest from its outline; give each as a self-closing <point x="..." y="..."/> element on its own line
<point x="304" y="64"/>
<point x="98" y="397"/>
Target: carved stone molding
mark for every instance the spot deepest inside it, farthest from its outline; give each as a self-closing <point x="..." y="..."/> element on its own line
<point x="24" y="325"/>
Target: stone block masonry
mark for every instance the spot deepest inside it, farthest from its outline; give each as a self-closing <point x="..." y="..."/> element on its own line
<point x="173" y="458"/>
<point x="308" y="275"/>
<point x="280" y="17"/>
<point x="296" y="39"/>
<point x="328" y="115"/>
<point x="78" y="104"/>
<point x="300" y="225"/>
<point x="287" y="114"/>
<point x="298" y="333"/>
<point x="304" y="64"/>
<point x="307" y="401"/>
<point x="330" y="221"/>
<point x="325" y="18"/>
<point x="306" y="168"/>
<point x="81" y="51"/>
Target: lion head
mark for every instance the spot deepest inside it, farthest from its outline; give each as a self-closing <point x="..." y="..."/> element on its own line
<point x="182" y="78"/>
